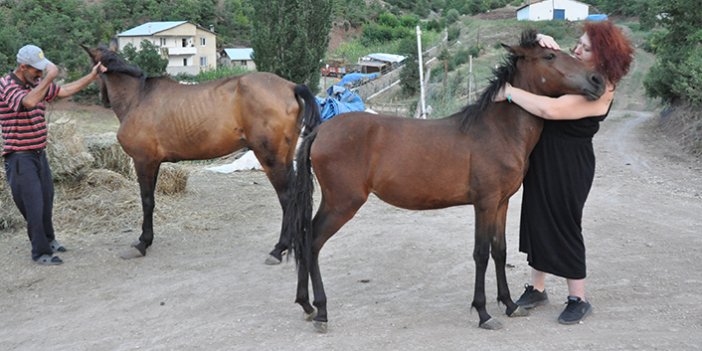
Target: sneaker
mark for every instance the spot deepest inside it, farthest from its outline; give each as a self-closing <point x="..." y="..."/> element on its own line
<point x="575" y="312"/>
<point x="532" y="297"/>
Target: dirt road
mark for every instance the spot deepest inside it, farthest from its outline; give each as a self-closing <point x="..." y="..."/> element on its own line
<point x="395" y="279"/>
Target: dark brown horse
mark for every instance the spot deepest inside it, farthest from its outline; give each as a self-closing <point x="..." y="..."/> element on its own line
<point x="477" y="156"/>
<point x="164" y="121"/>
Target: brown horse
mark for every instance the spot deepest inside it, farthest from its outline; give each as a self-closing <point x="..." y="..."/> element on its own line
<point x="477" y="156"/>
<point x="164" y="121"/>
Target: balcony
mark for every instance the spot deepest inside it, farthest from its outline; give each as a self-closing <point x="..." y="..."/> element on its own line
<point x="182" y="51"/>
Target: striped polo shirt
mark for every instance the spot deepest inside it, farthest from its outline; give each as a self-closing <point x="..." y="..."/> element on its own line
<point x="22" y="129"/>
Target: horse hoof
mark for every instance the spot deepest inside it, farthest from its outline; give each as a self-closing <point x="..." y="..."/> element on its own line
<point x="272" y="260"/>
<point x="491" y="324"/>
<point x="131" y="252"/>
<point x="320" y="327"/>
<point x="519" y="312"/>
<point x="309" y="316"/>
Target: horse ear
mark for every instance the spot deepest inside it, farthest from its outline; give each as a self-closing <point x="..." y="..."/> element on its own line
<point x="508" y="48"/>
<point x="113" y="45"/>
<point x="89" y="51"/>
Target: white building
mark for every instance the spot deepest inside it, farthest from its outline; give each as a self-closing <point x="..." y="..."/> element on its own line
<point x="546" y="10"/>
<point x="239" y="57"/>
<point x="190" y="48"/>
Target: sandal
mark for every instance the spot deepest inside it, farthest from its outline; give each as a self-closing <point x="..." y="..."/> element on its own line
<point x="48" y="260"/>
<point x="56" y="246"/>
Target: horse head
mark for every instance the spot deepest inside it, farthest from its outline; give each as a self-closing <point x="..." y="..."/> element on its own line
<point x="550" y="72"/>
<point x="108" y="56"/>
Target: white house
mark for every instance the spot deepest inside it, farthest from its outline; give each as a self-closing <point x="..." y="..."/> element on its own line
<point x="570" y="10"/>
<point x="190" y="48"/>
<point x="239" y="57"/>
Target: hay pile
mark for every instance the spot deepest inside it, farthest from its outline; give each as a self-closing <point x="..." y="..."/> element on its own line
<point x="108" y="154"/>
<point x="10" y="217"/>
<point x="68" y="159"/>
<point x="95" y="184"/>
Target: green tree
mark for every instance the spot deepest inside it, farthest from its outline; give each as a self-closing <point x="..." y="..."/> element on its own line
<point x="57" y="26"/>
<point x="677" y="73"/>
<point x="409" y="76"/>
<point x="148" y="58"/>
<point x="290" y="38"/>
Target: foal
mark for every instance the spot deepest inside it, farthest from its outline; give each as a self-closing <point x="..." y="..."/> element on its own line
<point x="477" y="156"/>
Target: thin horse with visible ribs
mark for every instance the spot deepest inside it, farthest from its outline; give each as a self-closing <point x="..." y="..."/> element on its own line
<point x="162" y="120"/>
<point x="477" y="156"/>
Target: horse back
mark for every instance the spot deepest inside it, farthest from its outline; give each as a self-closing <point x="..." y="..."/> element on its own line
<point x="180" y="122"/>
<point x="388" y="155"/>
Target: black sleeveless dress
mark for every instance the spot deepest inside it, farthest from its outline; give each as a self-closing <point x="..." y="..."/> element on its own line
<point x="557" y="183"/>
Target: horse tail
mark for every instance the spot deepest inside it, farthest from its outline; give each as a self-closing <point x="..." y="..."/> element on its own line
<point x="297" y="217"/>
<point x="311" y="117"/>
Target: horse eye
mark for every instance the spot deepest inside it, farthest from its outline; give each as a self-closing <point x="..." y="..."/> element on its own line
<point x="550" y="56"/>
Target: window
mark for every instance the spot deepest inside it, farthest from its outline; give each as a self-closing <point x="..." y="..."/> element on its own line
<point x="185" y="62"/>
<point x="163" y="41"/>
<point x="203" y="61"/>
<point x="185" y="42"/>
<point x="203" y="42"/>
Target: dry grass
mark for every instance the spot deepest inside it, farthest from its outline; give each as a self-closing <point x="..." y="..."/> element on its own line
<point x="95" y="186"/>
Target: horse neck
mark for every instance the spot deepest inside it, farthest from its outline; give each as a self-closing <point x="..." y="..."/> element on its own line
<point x="124" y="92"/>
<point x="528" y="126"/>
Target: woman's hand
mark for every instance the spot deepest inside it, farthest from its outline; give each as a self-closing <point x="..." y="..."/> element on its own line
<point x="547" y="41"/>
<point x="503" y="93"/>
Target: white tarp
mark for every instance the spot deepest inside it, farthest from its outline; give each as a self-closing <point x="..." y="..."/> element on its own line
<point x="246" y="162"/>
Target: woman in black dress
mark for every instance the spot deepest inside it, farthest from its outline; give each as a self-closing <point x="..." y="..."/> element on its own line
<point x="562" y="168"/>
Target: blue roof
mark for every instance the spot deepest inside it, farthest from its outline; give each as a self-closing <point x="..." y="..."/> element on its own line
<point x="150" y="28"/>
<point x="239" y="54"/>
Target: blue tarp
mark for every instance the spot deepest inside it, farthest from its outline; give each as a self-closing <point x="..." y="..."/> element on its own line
<point x="596" y="17"/>
<point x="339" y="100"/>
<point x="352" y="78"/>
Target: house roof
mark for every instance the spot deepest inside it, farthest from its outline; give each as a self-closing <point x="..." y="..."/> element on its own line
<point x="536" y="2"/>
<point x="239" y="54"/>
<point x="386" y="57"/>
<point x="150" y="28"/>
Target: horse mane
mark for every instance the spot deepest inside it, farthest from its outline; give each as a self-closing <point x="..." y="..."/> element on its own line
<point x="114" y="63"/>
<point x="501" y="75"/>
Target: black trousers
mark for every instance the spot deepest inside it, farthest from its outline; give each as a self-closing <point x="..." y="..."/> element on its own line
<point x="32" y="186"/>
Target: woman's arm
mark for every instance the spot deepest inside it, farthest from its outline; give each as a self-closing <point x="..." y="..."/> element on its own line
<point x="570" y="106"/>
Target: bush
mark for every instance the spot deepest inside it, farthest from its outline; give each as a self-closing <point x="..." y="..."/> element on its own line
<point x="475" y="50"/>
<point x="654" y="40"/>
<point x="453" y="33"/>
<point x="212" y="74"/>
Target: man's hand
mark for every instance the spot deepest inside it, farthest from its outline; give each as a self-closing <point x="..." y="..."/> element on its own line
<point x="97" y="69"/>
<point x="50" y="72"/>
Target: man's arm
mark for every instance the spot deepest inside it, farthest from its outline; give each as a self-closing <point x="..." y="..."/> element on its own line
<point x="37" y="94"/>
<point x="76" y="86"/>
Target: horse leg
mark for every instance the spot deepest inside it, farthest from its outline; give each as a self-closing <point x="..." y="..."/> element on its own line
<point x="499" y="256"/>
<point x="303" y="297"/>
<point x="147" y="173"/>
<point x="325" y="224"/>
<point x="280" y="176"/>
<point x="484" y="227"/>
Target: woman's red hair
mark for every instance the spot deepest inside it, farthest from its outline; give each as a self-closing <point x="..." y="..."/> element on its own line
<point x="612" y="52"/>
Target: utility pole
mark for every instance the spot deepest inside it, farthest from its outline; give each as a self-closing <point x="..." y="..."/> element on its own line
<point x="423" y="113"/>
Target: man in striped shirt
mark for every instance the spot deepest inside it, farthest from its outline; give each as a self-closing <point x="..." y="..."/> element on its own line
<point x="24" y="93"/>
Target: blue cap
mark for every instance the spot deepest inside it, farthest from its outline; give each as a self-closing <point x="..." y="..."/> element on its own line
<point x="32" y="55"/>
